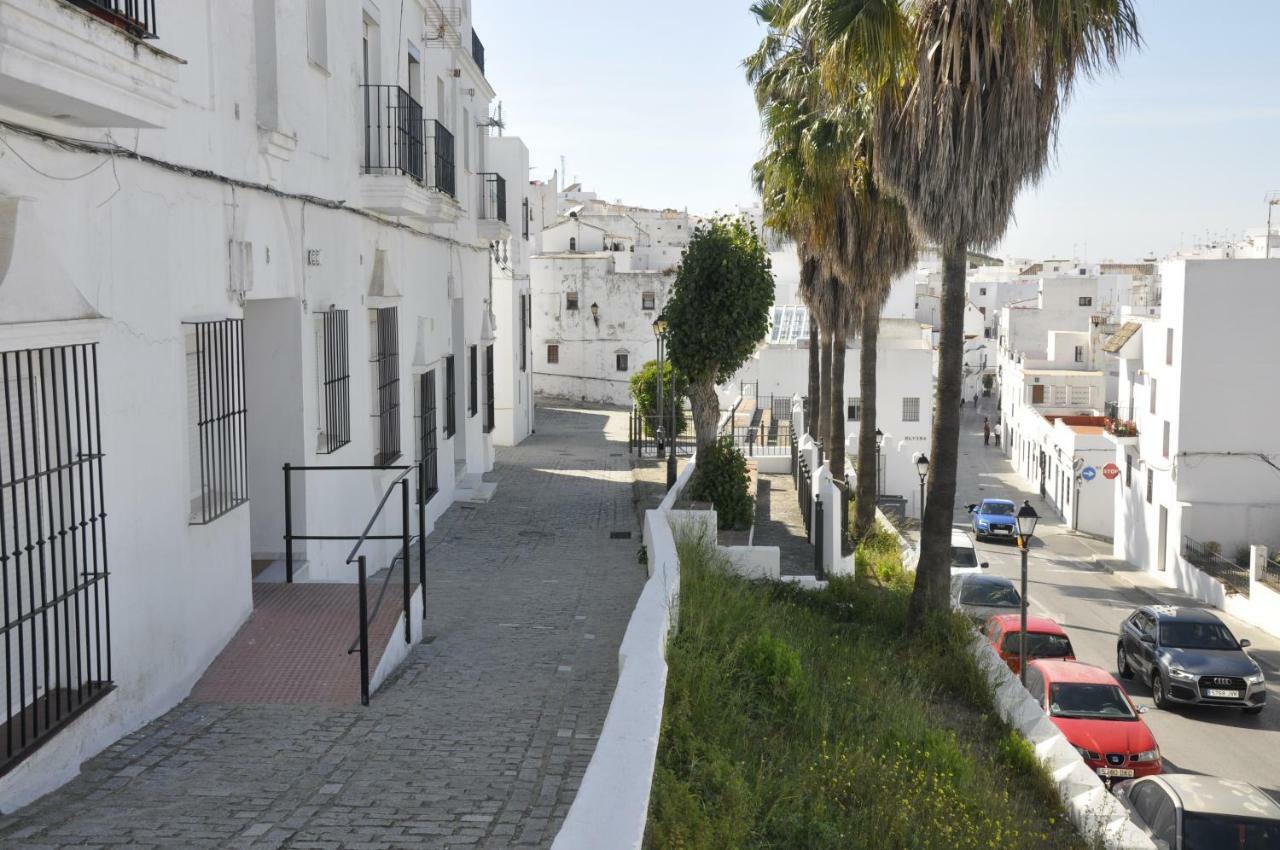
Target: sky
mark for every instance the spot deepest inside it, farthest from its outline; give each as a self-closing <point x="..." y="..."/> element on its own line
<point x="647" y="103"/>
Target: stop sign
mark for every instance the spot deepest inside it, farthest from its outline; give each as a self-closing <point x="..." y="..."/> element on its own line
<point x="1110" y="471"/>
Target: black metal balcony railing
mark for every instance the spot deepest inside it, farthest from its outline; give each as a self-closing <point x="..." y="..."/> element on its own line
<point x="1207" y="558"/>
<point x="393" y="132"/>
<point x="136" y="17"/>
<point x="442" y="158"/>
<point x="493" y="197"/>
<point x="477" y="51"/>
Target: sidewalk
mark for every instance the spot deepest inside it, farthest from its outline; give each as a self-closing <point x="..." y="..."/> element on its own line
<point x="482" y="738"/>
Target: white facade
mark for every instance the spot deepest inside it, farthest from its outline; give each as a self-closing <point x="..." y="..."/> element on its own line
<point x="257" y="201"/>
<point x="1198" y="380"/>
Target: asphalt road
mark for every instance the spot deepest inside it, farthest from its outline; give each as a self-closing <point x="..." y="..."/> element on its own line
<point x="1090" y="603"/>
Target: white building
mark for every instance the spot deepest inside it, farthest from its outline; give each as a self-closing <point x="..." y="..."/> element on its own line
<point x="232" y="237"/>
<point x="600" y="278"/>
<point x="1201" y="473"/>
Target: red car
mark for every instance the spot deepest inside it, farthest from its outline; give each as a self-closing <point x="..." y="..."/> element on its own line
<point x="1096" y="715"/>
<point x="1045" y="639"/>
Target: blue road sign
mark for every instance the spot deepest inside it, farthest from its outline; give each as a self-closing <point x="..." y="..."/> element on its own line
<point x="1088" y="473"/>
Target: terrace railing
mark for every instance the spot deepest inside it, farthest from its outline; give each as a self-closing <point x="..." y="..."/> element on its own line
<point x="477" y="51"/>
<point x="393" y="132"/>
<point x="493" y="197"/>
<point x="442" y="164"/>
<point x="1205" y="557"/>
<point x="136" y="17"/>
<point x="1269" y="574"/>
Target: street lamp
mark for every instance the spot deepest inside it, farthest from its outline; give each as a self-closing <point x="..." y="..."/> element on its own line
<point x="675" y="432"/>
<point x="922" y="469"/>
<point x="1027" y="518"/>
<point x="595" y="313"/>
<point x="659" y="331"/>
<point x="879" y="443"/>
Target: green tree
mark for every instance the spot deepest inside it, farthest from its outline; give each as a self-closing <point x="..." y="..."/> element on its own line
<point x="718" y="313"/>
<point x="644" y="392"/>
<point x="969" y="95"/>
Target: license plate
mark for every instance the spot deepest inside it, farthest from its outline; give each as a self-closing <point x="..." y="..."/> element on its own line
<point x="1116" y="772"/>
<point x="1214" y="692"/>
<point x="999" y="531"/>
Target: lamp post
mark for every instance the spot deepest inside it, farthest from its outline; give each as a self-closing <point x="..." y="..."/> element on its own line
<point x="879" y="443"/>
<point x="595" y="313"/>
<point x="922" y="469"/>
<point x="660" y="331"/>
<point x="675" y="432"/>
<point x="1027" y="518"/>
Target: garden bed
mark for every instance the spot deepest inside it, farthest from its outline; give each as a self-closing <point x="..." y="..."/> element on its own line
<point x="799" y="719"/>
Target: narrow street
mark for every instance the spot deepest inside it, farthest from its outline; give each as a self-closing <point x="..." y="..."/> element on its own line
<point x="1091" y="602"/>
<point x="479" y="740"/>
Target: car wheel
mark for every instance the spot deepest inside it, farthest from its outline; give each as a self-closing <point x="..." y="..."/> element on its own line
<point x="1157" y="691"/>
<point x="1253" y="709"/>
<point x="1122" y="663"/>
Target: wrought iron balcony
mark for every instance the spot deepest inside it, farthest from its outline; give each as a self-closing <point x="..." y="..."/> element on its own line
<point x="136" y="17"/>
<point x="477" y="51"/>
<point x="393" y="132"/>
<point x="442" y="159"/>
<point x="493" y="197"/>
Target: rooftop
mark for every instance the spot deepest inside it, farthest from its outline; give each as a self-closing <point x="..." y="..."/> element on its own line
<point x="1120" y="337"/>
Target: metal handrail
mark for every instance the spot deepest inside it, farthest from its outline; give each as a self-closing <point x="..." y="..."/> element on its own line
<point x="351" y="559"/>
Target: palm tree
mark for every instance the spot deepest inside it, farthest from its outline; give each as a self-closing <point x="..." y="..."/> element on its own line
<point x="962" y="126"/>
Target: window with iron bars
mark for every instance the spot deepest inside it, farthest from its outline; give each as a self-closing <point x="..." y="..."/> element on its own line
<point x="525" y="205"/>
<point x="490" y="418"/>
<point x="524" y="333"/>
<point x="473" y="382"/>
<point x="335" y="377"/>
<point x="53" y="544"/>
<point x="429" y="479"/>
<point x="450" y="399"/>
<point x="384" y="350"/>
<point x="216" y="418"/>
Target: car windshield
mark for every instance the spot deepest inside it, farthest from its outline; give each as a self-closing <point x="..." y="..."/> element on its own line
<point x="963" y="556"/>
<point x="996" y="509"/>
<point x="1191" y="635"/>
<point x="1080" y="699"/>
<point x="990" y="595"/>
<point x="1220" y="832"/>
<point x="1041" y="645"/>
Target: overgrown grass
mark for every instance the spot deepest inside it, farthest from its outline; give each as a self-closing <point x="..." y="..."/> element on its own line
<point x="805" y="720"/>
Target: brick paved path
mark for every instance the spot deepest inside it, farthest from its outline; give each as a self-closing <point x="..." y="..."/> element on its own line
<point x="481" y="740"/>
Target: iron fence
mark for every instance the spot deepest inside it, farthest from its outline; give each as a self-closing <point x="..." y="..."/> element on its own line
<point x="846" y="501"/>
<point x="444" y="168"/>
<point x="1205" y="557"/>
<point x="477" y="51"/>
<point x="761" y="425"/>
<point x="337" y="379"/>
<point x="428" y="480"/>
<point x="490" y="418"/>
<point x="216" y="401"/>
<point x="493" y="196"/>
<point x="804" y="493"/>
<point x="1270" y="572"/>
<point x="450" y="398"/>
<point x="53" y="544"/>
<point x="393" y="132"/>
<point x="649" y="435"/>
<point x="386" y="360"/>
<point x="136" y="17"/>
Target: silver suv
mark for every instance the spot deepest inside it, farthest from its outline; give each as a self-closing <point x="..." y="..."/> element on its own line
<point x="1188" y="655"/>
<point x="1184" y="811"/>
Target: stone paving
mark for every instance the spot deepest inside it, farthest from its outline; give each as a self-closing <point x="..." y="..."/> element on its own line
<point x="482" y="738"/>
<point x="780" y="523"/>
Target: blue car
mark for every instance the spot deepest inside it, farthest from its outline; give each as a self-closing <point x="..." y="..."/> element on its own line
<point x="996" y="518"/>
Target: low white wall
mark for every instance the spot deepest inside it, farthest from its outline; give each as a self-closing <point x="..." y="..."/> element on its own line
<point x="910" y="554"/>
<point x="754" y="562"/>
<point x="396" y="649"/>
<point x="1191" y="581"/>
<point x="774" y="463"/>
<point x="1095" y="813"/>
<point x="611" y="808"/>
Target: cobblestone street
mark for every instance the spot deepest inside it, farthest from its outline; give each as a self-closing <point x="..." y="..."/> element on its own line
<point x="481" y="739"/>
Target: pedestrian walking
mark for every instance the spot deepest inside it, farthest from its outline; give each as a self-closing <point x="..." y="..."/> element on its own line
<point x="975" y="400"/>
<point x="986" y="431"/>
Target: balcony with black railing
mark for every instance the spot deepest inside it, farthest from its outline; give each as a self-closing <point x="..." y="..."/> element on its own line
<point x="477" y="51"/>
<point x="136" y="17"/>
<point x="409" y="159"/>
<point x="492" y="212"/>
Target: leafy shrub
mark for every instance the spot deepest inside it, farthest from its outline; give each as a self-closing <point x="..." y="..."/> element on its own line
<point x="770" y="671"/>
<point x="644" y="392"/>
<point x="721" y="478"/>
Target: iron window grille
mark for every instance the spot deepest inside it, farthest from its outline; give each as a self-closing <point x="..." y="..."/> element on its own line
<point x="911" y="410"/>
<point x="477" y="51"/>
<point x="473" y="381"/>
<point x="571" y="300"/>
<point x="553" y="354"/>
<point x="429" y="482"/>
<point x="524" y="333"/>
<point x="393" y="132"/>
<point x="490" y="418"/>
<point x="216" y="404"/>
<point x="647" y="301"/>
<point x="386" y="374"/>
<point x="855" y="410"/>
<point x="450" y="399"/>
<point x="525" y="218"/>
<point x="621" y="361"/>
<point x="336" y="379"/>
<point x="53" y="544"/>
<point x="136" y="17"/>
<point x="493" y="196"/>
<point x="442" y="158"/>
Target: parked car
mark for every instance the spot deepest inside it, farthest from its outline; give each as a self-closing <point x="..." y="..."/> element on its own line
<point x="1045" y="639"/>
<point x="1096" y="716"/>
<point x="996" y="518"/>
<point x="1188" y="655"/>
<point x="964" y="557"/>
<point x="1186" y="811"/>
<point x="981" y="595"/>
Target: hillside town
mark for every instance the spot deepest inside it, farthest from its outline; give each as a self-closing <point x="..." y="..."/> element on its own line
<point x="366" y="484"/>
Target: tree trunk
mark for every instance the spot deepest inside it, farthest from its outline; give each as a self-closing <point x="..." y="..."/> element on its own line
<point x="815" y="378"/>
<point x="824" y="389"/>
<point x="868" y="456"/>
<point x="705" y="407"/>
<point x="933" y="574"/>
<point x="835" y="407"/>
